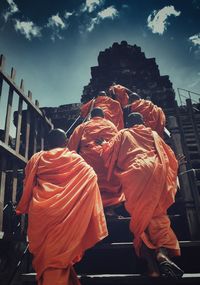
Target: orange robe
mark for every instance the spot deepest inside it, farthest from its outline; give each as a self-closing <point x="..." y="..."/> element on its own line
<point x="120" y="93"/>
<point x="83" y="141"/>
<point x="153" y="115"/>
<point x="147" y="169"/>
<point x="65" y="213"/>
<point x="112" y="110"/>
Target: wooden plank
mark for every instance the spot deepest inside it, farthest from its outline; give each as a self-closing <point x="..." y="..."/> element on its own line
<point x="19" y="121"/>
<point x="2" y="65"/>
<point x="40" y="130"/>
<point x="42" y="133"/>
<point x="1" y="86"/>
<point x="2" y="188"/>
<point x="35" y="130"/>
<point x="14" y="184"/>
<point x="2" y="62"/>
<point x="9" y="109"/>
<point x="28" y="128"/>
<point x="19" y="124"/>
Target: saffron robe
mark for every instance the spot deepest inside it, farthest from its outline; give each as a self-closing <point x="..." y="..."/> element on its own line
<point x="65" y="213"/>
<point x="153" y="115"/>
<point x="83" y="140"/>
<point x="111" y="108"/>
<point x="147" y="169"/>
<point x="120" y="93"/>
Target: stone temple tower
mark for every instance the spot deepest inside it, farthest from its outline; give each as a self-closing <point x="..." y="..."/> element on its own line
<point x="127" y="65"/>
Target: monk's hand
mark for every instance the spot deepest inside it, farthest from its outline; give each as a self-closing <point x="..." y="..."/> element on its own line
<point x="181" y="159"/>
<point x="100" y="141"/>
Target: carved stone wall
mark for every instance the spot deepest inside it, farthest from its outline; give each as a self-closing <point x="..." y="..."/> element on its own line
<point x="64" y="115"/>
<point x="128" y="66"/>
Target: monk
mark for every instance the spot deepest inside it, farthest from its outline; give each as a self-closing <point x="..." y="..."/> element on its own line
<point x="120" y="93"/>
<point x="153" y="115"/>
<point x="83" y="141"/>
<point x="65" y="213"/>
<point x="147" y="169"/>
<point x="111" y="108"/>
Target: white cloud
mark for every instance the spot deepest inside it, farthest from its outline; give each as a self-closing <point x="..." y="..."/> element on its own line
<point x="91" y="5"/>
<point x="93" y="22"/>
<point x="11" y="10"/>
<point x="68" y="14"/>
<point x="157" y="20"/>
<point x="107" y="13"/>
<point x="28" y="29"/>
<point x="195" y="39"/>
<point x="56" y="21"/>
<point x="195" y="49"/>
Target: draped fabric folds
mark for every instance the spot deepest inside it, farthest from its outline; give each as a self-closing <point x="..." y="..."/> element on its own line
<point x="153" y="115"/>
<point x="120" y="94"/>
<point x="83" y="141"/>
<point x="147" y="169"/>
<point x="112" y="110"/>
<point x="65" y="213"/>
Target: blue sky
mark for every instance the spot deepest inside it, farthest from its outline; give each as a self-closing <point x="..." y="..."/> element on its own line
<point x="53" y="44"/>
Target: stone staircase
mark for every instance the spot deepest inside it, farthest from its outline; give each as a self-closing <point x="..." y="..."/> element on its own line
<point x="113" y="261"/>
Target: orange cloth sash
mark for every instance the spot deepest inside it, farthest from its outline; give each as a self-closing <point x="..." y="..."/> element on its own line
<point x="120" y="94"/>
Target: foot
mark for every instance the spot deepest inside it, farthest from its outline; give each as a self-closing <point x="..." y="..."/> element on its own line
<point x="152" y="266"/>
<point x="161" y="255"/>
<point x="153" y="274"/>
<point x="166" y="266"/>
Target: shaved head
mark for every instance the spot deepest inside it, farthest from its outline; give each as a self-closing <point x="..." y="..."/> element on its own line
<point x="97" y="112"/>
<point x="56" y="138"/>
<point x="134" y="119"/>
<point x="102" y="93"/>
<point x="133" y="97"/>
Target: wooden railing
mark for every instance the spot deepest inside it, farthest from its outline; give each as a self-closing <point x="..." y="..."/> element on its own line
<point x="23" y="127"/>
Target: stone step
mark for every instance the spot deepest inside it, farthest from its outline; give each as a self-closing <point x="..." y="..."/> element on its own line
<point x="190" y="139"/>
<point x="119" y="228"/>
<point x="192" y="146"/>
<point x="121" y="258"/>
<point x="195" y="163"/>
<point x="194" y="154"/>
<point x="123" y="279"/>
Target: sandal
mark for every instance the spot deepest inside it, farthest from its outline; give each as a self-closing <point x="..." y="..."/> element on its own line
<point x="170" y="269"/>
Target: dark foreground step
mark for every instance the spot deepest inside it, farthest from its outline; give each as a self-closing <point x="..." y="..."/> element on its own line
<point x="123" y="279"/>
<point x="121" y="258"/>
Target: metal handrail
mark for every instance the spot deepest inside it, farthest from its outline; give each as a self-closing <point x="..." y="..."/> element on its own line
<point x="189" y="95"/>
